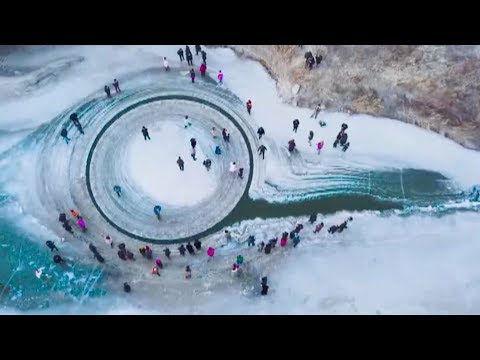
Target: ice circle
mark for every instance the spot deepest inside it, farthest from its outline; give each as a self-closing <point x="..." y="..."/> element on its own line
<point x="193" y="200"/>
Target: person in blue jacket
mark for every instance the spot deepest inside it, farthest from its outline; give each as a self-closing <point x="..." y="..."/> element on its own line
<point x="117" y="189"/>
<point x="156" y="211"/>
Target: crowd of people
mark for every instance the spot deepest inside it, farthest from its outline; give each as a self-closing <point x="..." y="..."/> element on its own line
<point x="264" y="246"/>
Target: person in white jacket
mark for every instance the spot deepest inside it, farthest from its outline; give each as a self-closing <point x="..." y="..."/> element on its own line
<point x="233" y="167"/>
<point x="165" y="64"/>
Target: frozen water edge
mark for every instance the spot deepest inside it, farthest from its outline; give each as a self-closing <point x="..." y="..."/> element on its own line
<point x="318" y="281"/>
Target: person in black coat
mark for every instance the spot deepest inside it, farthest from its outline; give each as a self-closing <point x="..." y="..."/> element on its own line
<point x="313" y="218"/>
<point x="182" y="250"/>
<point x="296" y="122"/>
<point x="107" y="90"/>
<point x="260" y="132"/>
<point x="180" y="54"/>
<point x="64" y="134"/>
<point x="204" y="56"/>
<point x="261" y="150"/>
<point x="193" y="142"/>
<point x="197" y="244"/>
<point x="145" y="133"/>
<point x="190" y="59"/>
<point x="190" y="249"/>
<point x="198" y="48"/>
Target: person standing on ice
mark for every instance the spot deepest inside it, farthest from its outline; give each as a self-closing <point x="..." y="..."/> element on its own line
<point x="76" y="122"/>
<point x="192" y="75"/>
<point x="197" y="244"/>
<point x="180" y="163"/>
<point x="117" y="189"/>
<point x="189" y="56"/>
<point x="249" y="106"/>
<point x="187" y="51"/>
<point x="296" y="122"/>
<point x="207" y="163"/>
<point x="165" y="64"/>
<point x="260" y="132"/>
<point x="251" y="241"/>
<point x="81" y="223"/>
<point x="316" y="111"/>
<point x="190" y="249"/>
<point x="218" y="151"/>
<point x="226" y="135"/>
<point x="107" y="91"/>
<point x="188" y="272"/>
<point x="187" y="123"/>
<point x="214" y="132"/>
<point x="198" y="48"/>
<point x="204" y="56"/>
<point x="318" y="228"/>
<point x="296" y="240"/>
<point x="189" y="59"/>
<point x="193" y="142"/>
<point x="182" y="250"/>
<point x="233" y="167"/>
<point x="167" y="253"/>
<point x="193" y="153"/>
<point x="240" y="173"/>
<point x="180" y="54"/>
<point x="319" y="147"/>
<point x="310" y="137"/>
<point x="145" y="133"/>
<point x="291" y="145"/>
<point x="261" y="151"/>
<point x="210" y="253"/>
<point x="64" y="134"/>
<point x="156" y="210"/>
<point x="220" y="77"/>
<point x="203" y="69"/>
<point x="116" y="85"/>
<point x="284" y="239"/>
<point x="109" y="241"/>
<point x="313" y="218"/>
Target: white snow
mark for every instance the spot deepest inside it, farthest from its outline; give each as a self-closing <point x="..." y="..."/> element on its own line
<point x="153" y="165"/>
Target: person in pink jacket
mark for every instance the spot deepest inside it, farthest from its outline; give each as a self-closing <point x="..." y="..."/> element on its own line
<point x="203" y="69"/>
<point x="220" y="77"/>
<point x="319" y="147"/>
<point x="81" y="223"/>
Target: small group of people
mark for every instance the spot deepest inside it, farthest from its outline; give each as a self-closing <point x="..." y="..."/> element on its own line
<point x="116" y="86"/>
<point x="339" y="228"/>
<point x="233" y="169"/>
<point x="66" y="222"/>
<point x="124" y="253"/>
<point x="182" y="249"/>
<point x="311" y="60"/>
<point x="189" y="56"/>
<point x="146" y="252"/>
<point x="267" y="248"/>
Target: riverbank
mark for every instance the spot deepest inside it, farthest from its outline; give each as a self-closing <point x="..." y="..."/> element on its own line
<point x="431" y="86"/>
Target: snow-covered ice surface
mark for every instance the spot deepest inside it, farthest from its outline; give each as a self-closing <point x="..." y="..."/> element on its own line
<point x="412" y="261"/>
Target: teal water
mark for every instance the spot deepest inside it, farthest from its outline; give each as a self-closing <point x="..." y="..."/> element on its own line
<point x="21" y="254"/>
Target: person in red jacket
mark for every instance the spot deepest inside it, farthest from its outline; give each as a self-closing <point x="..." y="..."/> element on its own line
<point x="203" y="69"/>
<point x="249" y="106"/>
